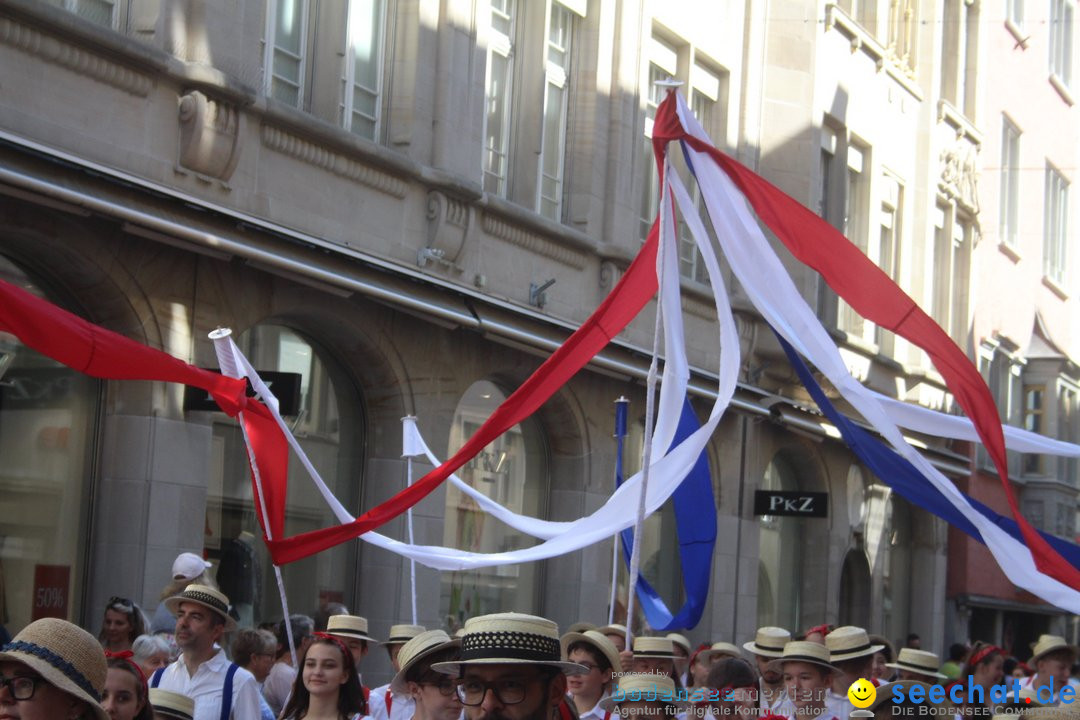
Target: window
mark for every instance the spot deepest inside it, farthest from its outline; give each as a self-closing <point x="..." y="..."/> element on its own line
<point x="512" y="470"/>
<point x="330" y="430"/>
<point x="102" y="12"/>
<point x="780" y="553"/>
<point x="1014" y="12"/>
<point x="1034" y="421"/>
<point x="286" y="49"/>
<point x="888" y="250"/>
<point x="362" y="80"/>
<point x="1068" y="429"/>
<point x="663" y="65"/>
<point x="48" y="426"/>
<point x="1010" y="183"/>
<point x="498" y="96"/>
<point x="856" y="222"/>
<point x="1002" y="370"/>
<point x="863" y="12"/>
<point x="953" y="234"/>
<point x="959" y="50"/>
<point x="843" y="203"/>
<point x="903" y="32"/>
<point x="556" y="94"/>
<point x="1055" y="226"/>
<point x="1061" y="31"/>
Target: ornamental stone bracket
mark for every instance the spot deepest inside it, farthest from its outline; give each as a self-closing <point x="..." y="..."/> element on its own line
<point x="449" y="221"/>
<point x="210" y="136"/>
<point x="959" y="179"/>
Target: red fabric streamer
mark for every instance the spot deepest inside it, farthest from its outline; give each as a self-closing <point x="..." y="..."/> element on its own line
<point x="875" y="296"/>
<point x="624" y="302"/>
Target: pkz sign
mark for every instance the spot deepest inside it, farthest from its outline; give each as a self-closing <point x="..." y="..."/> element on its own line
<point x="794" y="503"/>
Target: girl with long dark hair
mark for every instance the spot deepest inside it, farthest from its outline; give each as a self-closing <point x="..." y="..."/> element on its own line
<point x="327" y="686"/>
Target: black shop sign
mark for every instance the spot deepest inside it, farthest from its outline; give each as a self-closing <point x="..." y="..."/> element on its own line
<point x="284" y="385"/>
<point x="792" y="503"/>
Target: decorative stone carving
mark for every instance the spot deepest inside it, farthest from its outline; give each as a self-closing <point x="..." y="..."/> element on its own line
<point x="210" y="133"/>
<point x="960" y="174"/>
<point x="610" y="274"/>
<point x="449" y="220"/>
<point x="533" y="242"/>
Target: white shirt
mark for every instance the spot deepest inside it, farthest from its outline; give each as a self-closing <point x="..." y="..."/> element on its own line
<point x="402" y="707"/>
<point x="838" y="705"/>
<point x="278" y="686"/>
<point x="779" y="705"/>
<point x="597" y="713"/>
<point x="206" y="687"/>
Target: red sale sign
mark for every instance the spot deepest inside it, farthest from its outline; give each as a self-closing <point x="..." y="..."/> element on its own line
<point x="51" y="583"/>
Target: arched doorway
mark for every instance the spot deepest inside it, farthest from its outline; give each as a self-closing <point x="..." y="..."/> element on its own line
<point x="780" y="553"/>
<point x="855" y="590"/>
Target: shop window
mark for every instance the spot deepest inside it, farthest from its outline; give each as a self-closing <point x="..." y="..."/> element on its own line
<point x="48" y="422"/>
<point x="329" y="427"/>
<point x="512" y="470"/>
<point x="780" y="551"/>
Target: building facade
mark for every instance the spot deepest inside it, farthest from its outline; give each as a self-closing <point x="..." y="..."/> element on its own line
<point x="375" y="196"/>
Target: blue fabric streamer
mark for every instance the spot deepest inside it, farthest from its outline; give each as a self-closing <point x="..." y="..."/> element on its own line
<point x="904" y="478"/>
<point x="695" y="519"/>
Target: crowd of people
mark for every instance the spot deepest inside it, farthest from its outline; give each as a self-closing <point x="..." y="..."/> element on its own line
<point x="505" y="666"/>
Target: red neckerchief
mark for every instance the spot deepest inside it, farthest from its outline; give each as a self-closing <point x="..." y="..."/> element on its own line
<point x="389" y="700"/>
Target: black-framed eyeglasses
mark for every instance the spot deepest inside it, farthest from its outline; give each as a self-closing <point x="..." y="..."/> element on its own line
<point x="21" y="688"/>
<point x="508" y="691"/>
<point x="447" y="687"/>
<point x="121" y="604"/>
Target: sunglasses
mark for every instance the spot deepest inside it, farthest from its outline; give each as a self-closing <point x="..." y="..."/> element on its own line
<point x="121" y="604"/>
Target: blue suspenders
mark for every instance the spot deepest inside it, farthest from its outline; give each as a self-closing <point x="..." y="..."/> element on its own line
<point x="226" y="693"/>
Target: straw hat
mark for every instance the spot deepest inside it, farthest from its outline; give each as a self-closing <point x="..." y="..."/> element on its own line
<point x="721" y="649"/>
<point x="849" y="642"/>
<point x="885" y="692"/>
<point x="349" y="626"/>
<point x="803" y="651"/>
<point x="206" y="596"/>
<point x="580" y="627"/>
<point x="680" y="641"/>
<point x="1048" y="644"/>
<point x="646" y="646"/>
<point x="416" y="649"/>
<point x="1070" y="711"/>
<point x="597" y="640"/>
<point x="401" y="634"/>
<point x="613" y="629"/>
<point x="66" y="656"/>
<point x="918" y="661"/>
<point x="769" y="642"/>
<point x="509" y="639"/>
<point x="636" y="687"/>
<point x="171" y="705"/>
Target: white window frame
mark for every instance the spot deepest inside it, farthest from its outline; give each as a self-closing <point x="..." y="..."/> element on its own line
<point x="1062" y="14"/>
<point x="1009" y="218"/>
<point x="503" y="45"/>
<point x="1055" y="227"/>
<point x="558" y="77"/>
<point x="73" y="6"/>
<point x="1014" y="13"/>
<point x="663" y="62"/>
<point x="349" y="79"/>
<point x="270" y="45"/>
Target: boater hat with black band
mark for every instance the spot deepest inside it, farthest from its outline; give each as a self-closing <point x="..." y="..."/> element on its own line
<point x="769" y="642"/>
<point x="647" y="646"/>
<point x="171" y="705"/>
<point x="596" y="640"/>
<point x="66" y="656"/>
<point x="918" y="661"/>
<point x="415" y="650"/>
<point x="1048" y="644"/>
<point x="401" y="634"/>
<point x="849" y="642"/>
<point x="206" y="596"/>
<point x="349" y="626"/>
<point x="509" y="639"/>
<point x="806" y="652"/>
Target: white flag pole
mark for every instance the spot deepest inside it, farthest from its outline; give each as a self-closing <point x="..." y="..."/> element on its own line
<point x="408" y="449"/>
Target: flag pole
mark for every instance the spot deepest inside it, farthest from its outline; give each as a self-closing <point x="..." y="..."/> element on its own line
<point x="408" y="424"/>
<point x="229" y="368"/>
<point x="621" y="406"/>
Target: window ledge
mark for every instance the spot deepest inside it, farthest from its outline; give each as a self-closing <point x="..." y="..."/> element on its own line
<point x="1018" y="33"/>
<point x="1055" y="288"/>
<point x="1062" y="89"/>
<point x="1009" y="251"/>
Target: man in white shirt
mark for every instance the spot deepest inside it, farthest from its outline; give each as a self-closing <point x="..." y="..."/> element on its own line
<point x="852" y="653"/>
<point x="384" y="704"/>
<point x="768" y="645"/>
<point x="221" y="690"/>
<point x="1053" y="658"/>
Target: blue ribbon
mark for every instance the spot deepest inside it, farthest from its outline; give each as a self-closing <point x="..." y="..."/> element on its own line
<point x="901" y="475"/>
<point x="695" y="518"/>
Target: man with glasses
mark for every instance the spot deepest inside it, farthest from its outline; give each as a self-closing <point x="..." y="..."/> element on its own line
<point x="511" y="668"/>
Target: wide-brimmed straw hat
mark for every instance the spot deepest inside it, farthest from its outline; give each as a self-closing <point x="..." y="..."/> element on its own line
<point x="918" y="661"/>
<point x="509" y="639"/>
<point x="1048" y="644"/>
<point x="597" y="640"/>
<point x="720" y="649"/>
<point x="639" y="687"/>
<point x="804" y="651"/>
<point x="849" y="642"/>
<point x="66" y="656"/>
<point x="769" y="642"/>
<point x="680" y="641"/>
<point x="415" y="650"/>
<point x="580" y="627"/>
<point x="885" y="691"/>
<point x="171" y="705"/>
<point x="349" y="626"/>
<point x="612" y="629"/>
<point x="646" y="646"/>
<point x="401" y="634"/>
<point x="206" y="596"/>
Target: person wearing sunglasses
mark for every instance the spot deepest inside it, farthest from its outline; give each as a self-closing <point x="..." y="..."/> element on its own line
<point x="122" y="623"/>
<point x="52" y="670"/>
<point x="511" y="668"/>
<point x="434" y="694"/>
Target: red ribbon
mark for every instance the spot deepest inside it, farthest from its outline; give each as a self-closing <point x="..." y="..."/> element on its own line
<point x="823" y="629"/>
<point x="128" y="655"/>
<point x="875" y="296"/>
<point x="984" y="652"/>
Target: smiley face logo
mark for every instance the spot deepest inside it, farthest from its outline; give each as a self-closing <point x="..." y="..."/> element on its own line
<point x="862" y="693"/>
